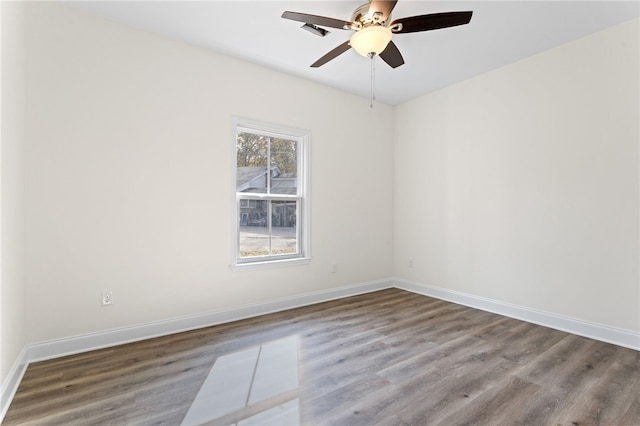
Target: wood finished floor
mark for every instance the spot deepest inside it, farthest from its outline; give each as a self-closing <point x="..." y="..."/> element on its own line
<point x="385" y="358"/>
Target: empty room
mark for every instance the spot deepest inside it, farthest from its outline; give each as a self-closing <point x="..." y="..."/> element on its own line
<point x="320" y="212"/>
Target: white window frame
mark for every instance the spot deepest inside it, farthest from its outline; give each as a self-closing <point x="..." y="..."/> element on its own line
<point x="303" y="221"/>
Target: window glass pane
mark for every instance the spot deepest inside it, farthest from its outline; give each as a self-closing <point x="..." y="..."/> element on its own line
<point x="284" y="166"/>
<point x="271" y="208"/>
<point x="254" y="228"/>
<point x="284" y="218"/>
<point x="251" y="161"/>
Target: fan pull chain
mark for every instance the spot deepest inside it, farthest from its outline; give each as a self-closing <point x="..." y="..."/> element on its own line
<point x="373" y="79"/>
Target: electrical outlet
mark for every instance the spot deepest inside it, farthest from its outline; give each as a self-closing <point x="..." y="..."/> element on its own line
<point x="410" y="263"/>
<point x="334" y="268"/>
<point x="107" y="298"/>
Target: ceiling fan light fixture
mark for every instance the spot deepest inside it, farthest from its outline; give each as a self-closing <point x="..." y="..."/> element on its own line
<point x="371" y="39"/>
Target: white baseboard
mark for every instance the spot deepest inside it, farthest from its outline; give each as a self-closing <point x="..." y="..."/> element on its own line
<point x="10" y="385"/>
<point x="616" y="336"/>
<point x="86" y="342"/>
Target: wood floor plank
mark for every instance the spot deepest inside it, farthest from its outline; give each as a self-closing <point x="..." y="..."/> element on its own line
<point x="436" y="395"/>
<point x="497" y="405"/>
<point x="632" y="416"/>
<point x="615" y="392"/>
<point x="326" y="408"/>
<point x="551" y="363"/>
<point x="385" y="358"/>
<point x="438" y="357"/>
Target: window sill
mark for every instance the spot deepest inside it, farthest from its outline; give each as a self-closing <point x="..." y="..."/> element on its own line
<point x="270" y="264"/>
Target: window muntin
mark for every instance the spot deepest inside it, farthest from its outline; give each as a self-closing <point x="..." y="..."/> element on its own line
<point x="271" y="206"/>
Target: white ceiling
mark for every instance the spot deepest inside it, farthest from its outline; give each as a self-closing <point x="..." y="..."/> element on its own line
<point x="500" y="32"/>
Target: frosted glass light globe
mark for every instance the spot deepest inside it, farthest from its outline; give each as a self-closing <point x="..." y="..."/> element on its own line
<point x="372" y="39"/>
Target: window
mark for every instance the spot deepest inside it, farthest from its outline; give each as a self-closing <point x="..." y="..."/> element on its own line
<point x="271" y="206"/>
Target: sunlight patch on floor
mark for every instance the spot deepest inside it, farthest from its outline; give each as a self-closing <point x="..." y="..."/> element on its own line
<point x="247" y="377"/>
<point x="285" y="414"/>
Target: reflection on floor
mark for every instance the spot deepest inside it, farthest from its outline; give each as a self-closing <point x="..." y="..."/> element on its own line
<point x="284" y="414"/>
<point x="247" y="377"/>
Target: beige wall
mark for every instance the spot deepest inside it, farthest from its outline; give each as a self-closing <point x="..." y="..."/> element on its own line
<point x="12" y="335"/>
<point x="521" y="185"/>
<point x="129" y="179"/>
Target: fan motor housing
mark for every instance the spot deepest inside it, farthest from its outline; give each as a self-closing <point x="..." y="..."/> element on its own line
<point x="361" y="15"/>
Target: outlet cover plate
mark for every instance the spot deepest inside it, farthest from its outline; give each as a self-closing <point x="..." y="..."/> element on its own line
<point x="107" y="298"/>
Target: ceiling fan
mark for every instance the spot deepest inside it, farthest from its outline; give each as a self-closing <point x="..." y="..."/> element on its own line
<point x="373" y="29"/>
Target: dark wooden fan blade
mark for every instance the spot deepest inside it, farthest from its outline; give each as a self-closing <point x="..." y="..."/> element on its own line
<point x="322" y="21"/>
<point x="383" y="6"/>
<point x="332" y="54"/>
<point x="433" y="21"/>
<point x="391" y="55"/>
